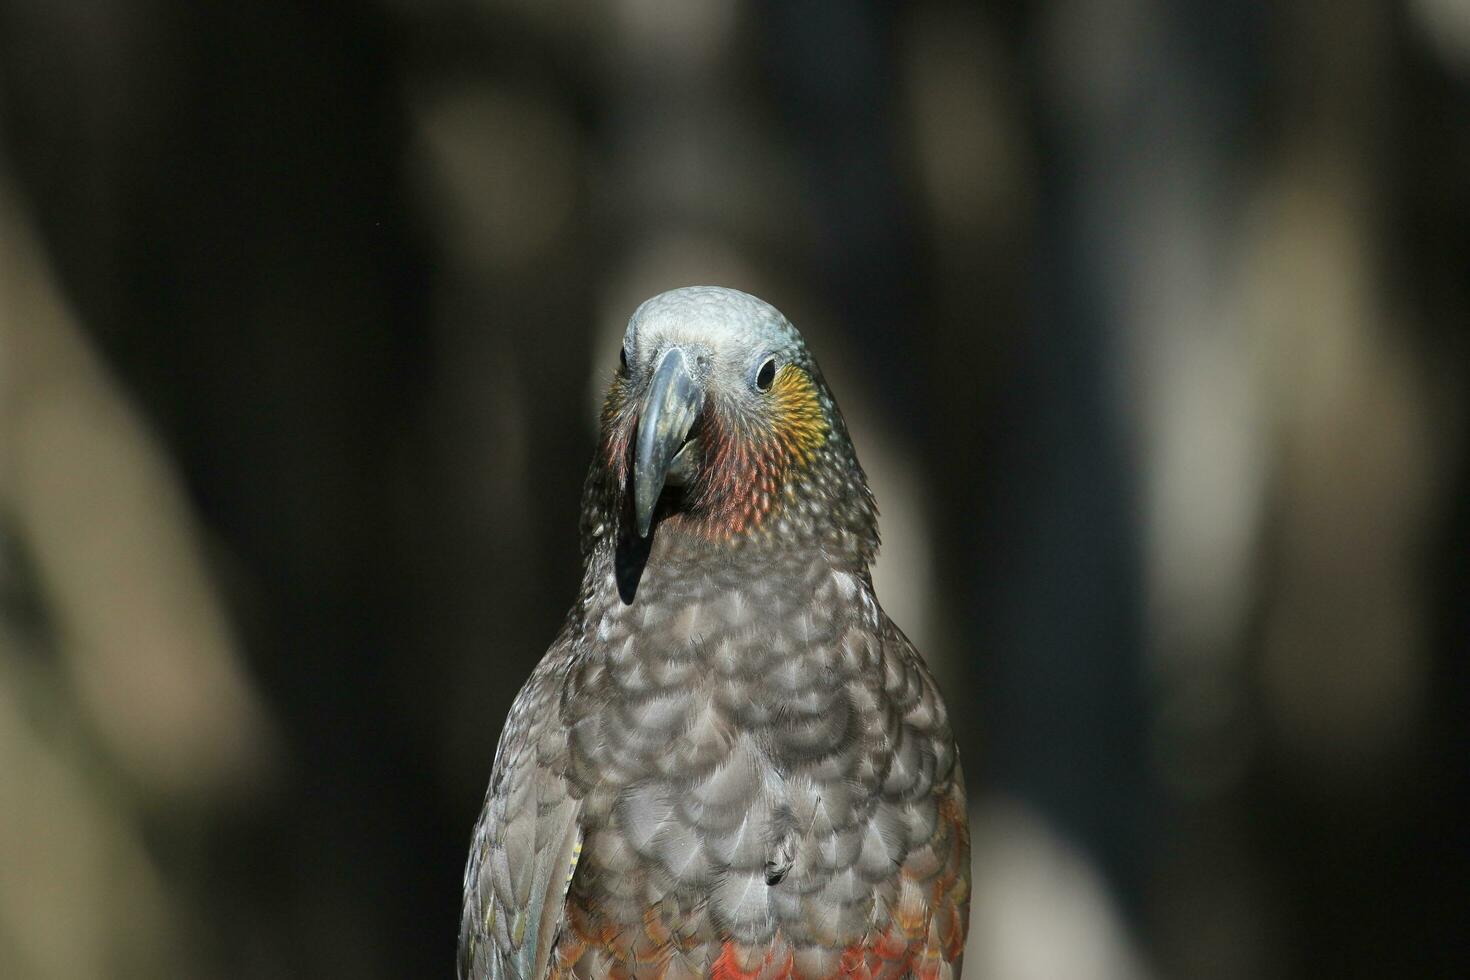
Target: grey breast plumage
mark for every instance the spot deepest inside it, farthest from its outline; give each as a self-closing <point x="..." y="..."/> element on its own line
<point x="739" y="757"/>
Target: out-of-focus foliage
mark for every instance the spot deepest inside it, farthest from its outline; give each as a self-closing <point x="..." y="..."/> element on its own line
<point x="1149" y="319"/>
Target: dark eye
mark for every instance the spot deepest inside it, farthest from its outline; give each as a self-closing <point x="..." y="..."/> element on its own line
<point x="766" y="375"/>
<point x="623" y="357"/>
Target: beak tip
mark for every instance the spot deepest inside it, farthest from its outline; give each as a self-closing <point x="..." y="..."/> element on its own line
<point x="645" y="502"/>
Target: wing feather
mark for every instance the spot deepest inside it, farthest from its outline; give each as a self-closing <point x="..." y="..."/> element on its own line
<point x="526" y="842"/>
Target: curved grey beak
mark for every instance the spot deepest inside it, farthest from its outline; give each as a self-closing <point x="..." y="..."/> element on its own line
<point x="669" y="411"/>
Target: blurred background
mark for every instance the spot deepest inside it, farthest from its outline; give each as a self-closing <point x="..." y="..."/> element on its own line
<point x="1149" y="318"/>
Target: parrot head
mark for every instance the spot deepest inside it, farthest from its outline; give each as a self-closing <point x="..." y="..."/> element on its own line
<point x="719" y="426"/>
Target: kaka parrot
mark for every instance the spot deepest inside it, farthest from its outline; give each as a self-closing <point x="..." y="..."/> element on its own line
<point x="731" y="763"/>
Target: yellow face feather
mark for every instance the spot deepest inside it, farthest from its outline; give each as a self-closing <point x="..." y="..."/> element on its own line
<point x="797" y="416"/>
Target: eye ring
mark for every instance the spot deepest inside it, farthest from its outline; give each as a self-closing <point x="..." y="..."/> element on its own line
<point x="765" y="376"/>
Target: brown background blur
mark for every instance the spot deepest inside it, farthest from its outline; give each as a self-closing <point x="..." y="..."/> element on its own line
<point x="1149" y="319"/>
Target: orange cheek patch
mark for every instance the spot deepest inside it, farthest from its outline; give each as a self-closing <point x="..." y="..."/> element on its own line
<point x="797" y="430"/>
<point x="616" y="430"/>
<point x="749" y="464"/>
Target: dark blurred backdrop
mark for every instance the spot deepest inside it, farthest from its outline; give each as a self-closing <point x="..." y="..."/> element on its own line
<point x="1149" y="319"/>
